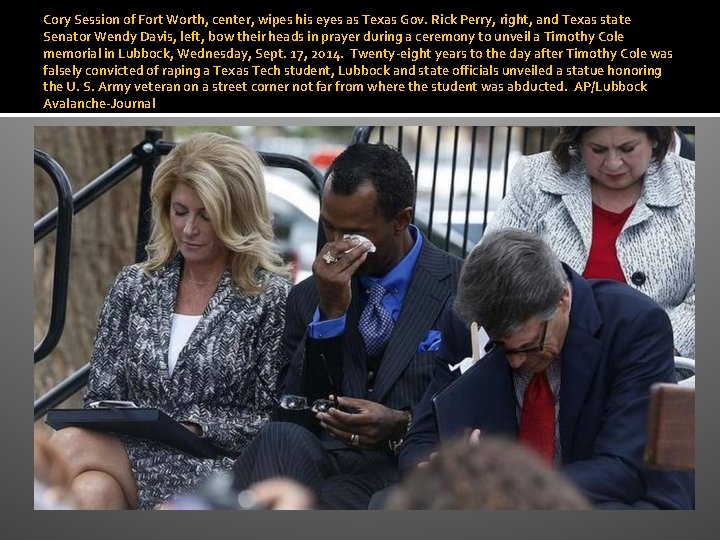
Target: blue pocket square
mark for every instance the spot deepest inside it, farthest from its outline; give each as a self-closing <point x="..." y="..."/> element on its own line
<point x="431" y="342"/>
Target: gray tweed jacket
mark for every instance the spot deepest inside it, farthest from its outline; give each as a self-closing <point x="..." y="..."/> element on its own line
<point x="656" y="247"/>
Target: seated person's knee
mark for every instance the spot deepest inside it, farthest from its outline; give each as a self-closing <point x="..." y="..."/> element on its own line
<point x="98" y="489"/>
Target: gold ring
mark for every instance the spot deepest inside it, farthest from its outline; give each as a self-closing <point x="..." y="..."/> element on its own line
<point x="329" y="259"/>
<point x="354" y="439"/>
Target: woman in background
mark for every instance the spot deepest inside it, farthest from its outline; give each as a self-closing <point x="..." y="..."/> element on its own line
<point x="613" y="203"/>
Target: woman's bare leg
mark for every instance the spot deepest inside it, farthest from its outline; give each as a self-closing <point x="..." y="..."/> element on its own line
<point x="99" y="468"/>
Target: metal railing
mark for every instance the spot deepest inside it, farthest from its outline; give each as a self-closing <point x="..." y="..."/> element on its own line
<point x="144" y="155"/>
<point x="460" y="172"/>
<point x="61" y="271"/>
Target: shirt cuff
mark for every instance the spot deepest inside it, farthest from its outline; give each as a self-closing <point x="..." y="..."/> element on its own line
<point x="330" y="328"/>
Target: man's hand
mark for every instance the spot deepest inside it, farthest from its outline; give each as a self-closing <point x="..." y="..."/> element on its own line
<point x="333" y="278"/>
<point x="372" y="422"/>
<point x="424" y="464"/>
<point x="282" y="493"/>
<point x="473" y="437"/>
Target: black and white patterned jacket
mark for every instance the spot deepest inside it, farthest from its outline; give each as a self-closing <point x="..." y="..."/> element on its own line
<point x="215" y="382"/>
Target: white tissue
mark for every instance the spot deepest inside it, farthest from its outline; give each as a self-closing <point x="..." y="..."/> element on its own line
<point x="362" y="239"/>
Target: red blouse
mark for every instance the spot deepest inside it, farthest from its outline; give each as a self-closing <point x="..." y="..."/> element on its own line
<point x="602" y="261"/>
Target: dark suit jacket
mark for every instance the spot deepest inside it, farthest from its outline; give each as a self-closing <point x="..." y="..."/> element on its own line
<point x="619" y="342"/>
<point x="316" y="368"/>
<point x="687" y="147"/>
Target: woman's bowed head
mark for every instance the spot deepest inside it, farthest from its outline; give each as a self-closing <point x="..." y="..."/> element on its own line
<point x="210" y="205"/>
<point x="194" y="331"/>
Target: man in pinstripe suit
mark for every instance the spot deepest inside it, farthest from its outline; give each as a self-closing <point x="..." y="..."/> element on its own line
<point x="347" y="453"/>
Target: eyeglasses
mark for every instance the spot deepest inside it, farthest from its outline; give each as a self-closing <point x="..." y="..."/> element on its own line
<point x="299" y="403"/>
<point x="523" y="350"/>
<point x="112" y="404"/>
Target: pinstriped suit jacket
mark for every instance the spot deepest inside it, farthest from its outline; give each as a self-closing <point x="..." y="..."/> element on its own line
<point x="658" y="238"/>
<point x="316" y="368"/>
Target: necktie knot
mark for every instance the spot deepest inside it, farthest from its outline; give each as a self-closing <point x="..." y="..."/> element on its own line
<point x="376" y="324"/>
<point x="377" y="292"/>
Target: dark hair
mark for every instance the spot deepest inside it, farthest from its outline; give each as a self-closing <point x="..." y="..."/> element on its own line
<point x="494" y="474"/>
<point x="508" y="278"/>
<point x="569" y="138"/>
<point x="382" y="165"/>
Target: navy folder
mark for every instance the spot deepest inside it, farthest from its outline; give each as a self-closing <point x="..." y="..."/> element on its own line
<point x="151" y="424"/>
<point x="457" y="408"/>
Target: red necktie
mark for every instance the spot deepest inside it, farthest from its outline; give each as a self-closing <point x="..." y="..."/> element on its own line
<point x="537" y="419"/>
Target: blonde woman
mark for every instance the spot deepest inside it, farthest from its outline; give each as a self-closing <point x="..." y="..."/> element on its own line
<point x="195" y="331"/>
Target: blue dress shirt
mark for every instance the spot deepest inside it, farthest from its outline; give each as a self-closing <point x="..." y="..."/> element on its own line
<point x="396" y="283"/>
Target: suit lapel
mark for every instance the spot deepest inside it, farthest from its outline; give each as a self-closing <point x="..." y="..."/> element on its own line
<point x="162" y="306"/>
<point x="425" y="298"/>
<point x="213" y="314"/>
<point x="580" y="356"/>
<point x="574" y="188"/>
<point x="354" y="364"/>
<point x="640" y="213"/>
<point x="578" y="204"/>
<point x="662" y="188"/>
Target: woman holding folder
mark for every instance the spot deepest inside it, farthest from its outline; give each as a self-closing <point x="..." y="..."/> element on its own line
<point x="194" y="331"/>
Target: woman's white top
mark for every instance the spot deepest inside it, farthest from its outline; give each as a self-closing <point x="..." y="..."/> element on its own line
<point x="180" y="331"/>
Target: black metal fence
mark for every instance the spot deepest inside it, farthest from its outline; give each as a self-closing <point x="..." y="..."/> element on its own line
<point x="461" y="173"/>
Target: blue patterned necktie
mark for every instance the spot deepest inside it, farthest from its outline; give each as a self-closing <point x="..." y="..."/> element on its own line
<point x="376" y="324"/>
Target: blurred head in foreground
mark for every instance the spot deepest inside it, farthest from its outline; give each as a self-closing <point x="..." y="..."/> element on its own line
<point x="494" y="474"/>
<point x="52" y="489"/>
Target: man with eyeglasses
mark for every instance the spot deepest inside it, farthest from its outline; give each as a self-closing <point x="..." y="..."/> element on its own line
<point x="570" y="376"/>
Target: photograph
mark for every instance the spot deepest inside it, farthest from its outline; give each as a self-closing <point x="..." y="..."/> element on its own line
<point x="493" y="315"/>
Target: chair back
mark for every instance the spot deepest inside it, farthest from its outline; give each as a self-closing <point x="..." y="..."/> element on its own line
<point x="670" y="442"/>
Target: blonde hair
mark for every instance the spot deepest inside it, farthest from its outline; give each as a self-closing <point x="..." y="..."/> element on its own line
<point x="227" y="176"/>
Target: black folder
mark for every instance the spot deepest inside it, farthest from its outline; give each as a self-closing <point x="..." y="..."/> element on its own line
<point x="455" y="406"/>
<point x="151" y="424"/>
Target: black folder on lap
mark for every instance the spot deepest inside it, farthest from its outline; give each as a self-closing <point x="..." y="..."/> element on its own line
<point x="456" y="406"/>
<point x="151" y="424"/>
